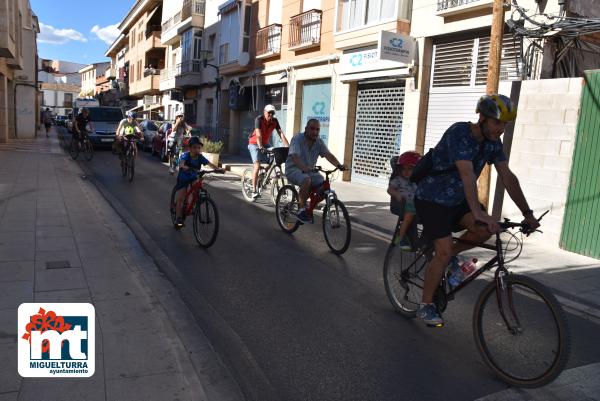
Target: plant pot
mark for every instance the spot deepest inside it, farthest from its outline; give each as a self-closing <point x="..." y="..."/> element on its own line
<point x="212" y="157"/>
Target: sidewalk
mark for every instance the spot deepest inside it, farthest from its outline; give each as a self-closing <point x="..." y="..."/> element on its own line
<point x="575" y="279"/>
<point x="61" y="242"/>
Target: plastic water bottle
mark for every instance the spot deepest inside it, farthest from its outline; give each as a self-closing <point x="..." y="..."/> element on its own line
<point x="454" y="273"/>
<point x="468" y="268"/>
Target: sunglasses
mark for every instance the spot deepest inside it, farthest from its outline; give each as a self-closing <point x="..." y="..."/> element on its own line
<point x="271" y="113"/>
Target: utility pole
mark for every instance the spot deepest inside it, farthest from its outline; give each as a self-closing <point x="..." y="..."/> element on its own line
<point x="493" y="78"/>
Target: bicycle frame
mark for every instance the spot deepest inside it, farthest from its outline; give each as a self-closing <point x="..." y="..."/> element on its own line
<point x="196" y="190"/>
<point x="262" y="181"/>
<point x="314" y="197"/>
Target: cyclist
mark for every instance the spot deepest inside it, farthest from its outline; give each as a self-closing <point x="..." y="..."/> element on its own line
<point x="81" y="122"/>
<point x="448" y="202"/>
<point x="189" y="163"/>
<point x="403" y="192"/>
<point x="127" y="127"/>
<point x="178" y="132"/>
<point x="305" y="149"/>
<point x="258" y="142"/>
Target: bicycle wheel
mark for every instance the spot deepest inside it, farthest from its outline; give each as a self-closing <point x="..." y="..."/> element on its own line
<point x="206" y="222"/>
<point x="535" y="349"/>
<point x="336" y="226"/>
<point x="286" y="209"/>
<point x="74" y="149"/>
<point x="173" y="206"/>
<point x="247" y="184"/>
<point x="404" y="277"/>
<point x="88" y="150"/>
<point x="277" y="182"/>
<point x="130" y="166"/>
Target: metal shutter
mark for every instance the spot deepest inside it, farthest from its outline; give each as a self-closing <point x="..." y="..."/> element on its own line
<point x="377" y="134"/>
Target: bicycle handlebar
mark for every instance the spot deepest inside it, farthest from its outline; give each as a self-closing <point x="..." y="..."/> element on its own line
<point x="318" y="169"/>
<point x="524" y="227"/>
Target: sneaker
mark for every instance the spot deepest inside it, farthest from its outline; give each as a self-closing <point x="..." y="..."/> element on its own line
<point x="179" y="222"/>
<point x="429" y="314"/>
<point x="171" y="170"/>
<point x="255" y="195"/>
<point x="303" y="217"/>
<point x="405" y="244"/>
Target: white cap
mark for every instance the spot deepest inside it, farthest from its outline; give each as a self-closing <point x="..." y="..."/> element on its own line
<point x="269" y="107"/>
<point x="179" y="113"/>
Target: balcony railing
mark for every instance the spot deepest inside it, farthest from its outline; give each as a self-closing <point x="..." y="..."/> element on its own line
<point x="152" y="28"/>
<point x="268" y="41"/>
<point x="305" y="30"/>
<point x="446" y="4"/>
<point x="151" y="71"/>
<point x="171" y="22"/>
<point x="192" y="7"/>
<point x="190" y="66"/>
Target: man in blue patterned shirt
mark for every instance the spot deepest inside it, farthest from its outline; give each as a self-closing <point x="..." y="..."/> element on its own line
<point x="447" y="201"/>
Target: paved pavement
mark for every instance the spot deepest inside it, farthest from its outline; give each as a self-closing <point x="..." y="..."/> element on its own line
<point x="575" y="279"/>
<point x="148" y="345"/>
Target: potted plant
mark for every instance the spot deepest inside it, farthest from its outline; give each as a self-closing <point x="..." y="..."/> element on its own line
<point x="211" y="150"/>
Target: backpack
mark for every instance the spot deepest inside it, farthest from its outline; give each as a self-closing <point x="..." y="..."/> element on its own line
<point x="424" y="167"/>
<point x="396" y="207"/>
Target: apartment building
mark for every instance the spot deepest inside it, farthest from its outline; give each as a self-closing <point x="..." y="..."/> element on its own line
<point x="58" y="97"/>
<point x="182" y="30"/>
<point x="117" y="52"/>
<point x="59" y="71"/>
<point x="145" y="55"/>
<point x="19" y="106"/>
<point x="89" y="75"/>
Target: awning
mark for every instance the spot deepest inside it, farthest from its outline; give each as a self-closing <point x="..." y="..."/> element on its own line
<point x="228" y="6"/>
<point x="393" y="74"/>
<point x="136" y="108"/>
<point x="155" y="107"/>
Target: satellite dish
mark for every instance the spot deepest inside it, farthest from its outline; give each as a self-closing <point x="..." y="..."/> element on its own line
<point x="244" y="59"/>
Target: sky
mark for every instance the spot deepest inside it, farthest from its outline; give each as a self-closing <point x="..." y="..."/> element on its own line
<point x="78" y="31"/>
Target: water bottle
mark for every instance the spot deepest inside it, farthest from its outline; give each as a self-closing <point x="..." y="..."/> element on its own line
<point x="468" y="268"/>
<point x="454" y="273"/>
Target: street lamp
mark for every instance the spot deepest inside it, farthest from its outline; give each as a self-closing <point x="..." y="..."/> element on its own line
<point x="218" y="79"/>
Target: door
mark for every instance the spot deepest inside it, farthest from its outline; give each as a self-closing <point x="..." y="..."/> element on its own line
<point x="377" y="133"/>
<point x="580" y="233"/>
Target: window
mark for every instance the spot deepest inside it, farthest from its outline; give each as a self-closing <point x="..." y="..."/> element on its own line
<point x="224" y="54"/>
<point x="274" y="16"/>
<point x="230" y="34"/>
<point x="211" y="45"/>
<point x="132" y="38"/>
<point x="246" y="37"/>
<point x="186" y="45"/>
<point x="356" y="13"/>
<point x="139" y="70"/>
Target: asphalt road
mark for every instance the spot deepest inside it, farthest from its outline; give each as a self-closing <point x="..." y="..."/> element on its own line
<point x="313" y="325"/>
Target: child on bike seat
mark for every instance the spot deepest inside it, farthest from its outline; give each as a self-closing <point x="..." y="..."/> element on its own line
<point x="402" y="191"/>
<point x="189" y="164"/>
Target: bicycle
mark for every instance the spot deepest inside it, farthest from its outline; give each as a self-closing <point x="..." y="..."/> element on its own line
<point x="175" y="151"/>
<point x="128" y="157"/>
<point x="81" y="144"/>
<point x="271" y="175"/>
<point x="524" y="319"/>
<point x="197" y="202"/>
<point x="336" y="220"/>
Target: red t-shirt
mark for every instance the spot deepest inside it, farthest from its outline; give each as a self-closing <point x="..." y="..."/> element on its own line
<point x="266" y="129"/>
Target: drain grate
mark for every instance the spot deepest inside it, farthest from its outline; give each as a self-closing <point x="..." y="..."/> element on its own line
<point x="58" y="264"/>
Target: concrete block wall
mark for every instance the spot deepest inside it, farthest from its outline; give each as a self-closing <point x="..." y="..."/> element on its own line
<point x="542" y="150"/>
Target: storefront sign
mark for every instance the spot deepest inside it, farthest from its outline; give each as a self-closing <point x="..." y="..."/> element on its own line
<point x="396" y="47"/>
<point x="316" y="103"/>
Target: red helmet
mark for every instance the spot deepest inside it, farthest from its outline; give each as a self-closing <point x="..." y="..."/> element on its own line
<point x="410" y="158"/>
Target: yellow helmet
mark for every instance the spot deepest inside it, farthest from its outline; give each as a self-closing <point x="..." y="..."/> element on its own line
<point x="497" y="106"/>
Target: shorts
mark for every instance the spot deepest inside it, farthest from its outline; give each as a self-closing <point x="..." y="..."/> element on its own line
<point x="297" y="177"/>
<point x="183" y="182"/>
<point x="256" y="155"/>
<point x="440" y="221"/>
<point x="409" y="207"/>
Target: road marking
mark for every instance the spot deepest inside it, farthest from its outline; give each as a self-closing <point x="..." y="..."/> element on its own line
<point x="579" y="383"/>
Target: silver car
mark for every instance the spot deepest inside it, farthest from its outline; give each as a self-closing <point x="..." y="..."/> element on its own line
<point x="149" y="129"/>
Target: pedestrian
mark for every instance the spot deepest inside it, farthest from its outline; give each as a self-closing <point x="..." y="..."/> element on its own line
<point x="47" y="118"/>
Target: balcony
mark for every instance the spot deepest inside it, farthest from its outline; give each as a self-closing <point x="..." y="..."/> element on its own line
<point x="186" y="74"/>
<point x="305" y="30"/>
<point x="153" y="41"/>
<point x="190" y="7"/>
<point x="146" y="85"/>
<point x="171" y="22"/>
<point x="268" y="41"/>
<point x="449" y="8"/>
<point x="150" y="29"/>
<point x="151" y="71"/>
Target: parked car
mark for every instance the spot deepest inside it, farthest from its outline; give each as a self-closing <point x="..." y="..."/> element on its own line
<point x="61" y="120"/>
<point x="150" y="130"/>
<point x="159" y="142"/>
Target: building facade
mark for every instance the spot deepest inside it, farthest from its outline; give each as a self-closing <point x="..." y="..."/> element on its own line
<point x="89" y="75"/>
<point x="19" y="107"/>
<point x="59" y="97"/>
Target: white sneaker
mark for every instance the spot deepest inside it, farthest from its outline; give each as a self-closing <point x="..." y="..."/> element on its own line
<point x="255" y="195"/>
<point x="171" y="170"/>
